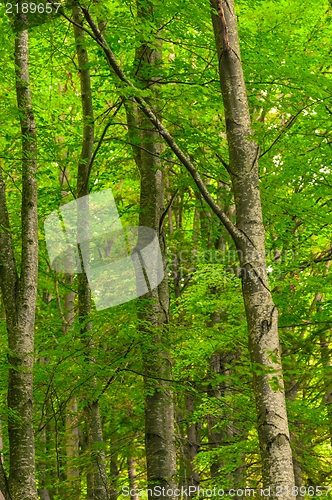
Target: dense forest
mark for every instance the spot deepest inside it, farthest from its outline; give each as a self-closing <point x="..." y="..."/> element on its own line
<point x="165" y="248"/>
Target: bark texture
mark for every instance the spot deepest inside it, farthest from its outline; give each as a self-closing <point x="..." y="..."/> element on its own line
<point x="262" y="315"/>
<point x="193" y="445"/>
<point x="19" y="293"/>
<point x="159" y="411"/>
<point x="218" y="437"/>
<point x="131" y="464"/>
<point x="71" y="417"/>
<point x="43" y="463"/>
<point x="114" y="473"/>
<point x="72" y="448"/>
<point x="97" y="480"/>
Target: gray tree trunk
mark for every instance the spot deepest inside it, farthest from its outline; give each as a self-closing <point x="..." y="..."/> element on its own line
<point x="114" y="473"/>
<point x="42" y="463"/>
<point x="262" y="315"/>
<point x="71" y="417"/>
<point x="175" y="258"/>
<point x="72" y="448"/>
<point x="97" y="480"/>
<point x="327" y="363"/>
<point x="291" y="389"/>
<point x="131" y="464"/>
<point x="19" y="293"/>
<point x="159" y="411"/>
<point x="193" y="444"/>
<point x="218" y="437"/>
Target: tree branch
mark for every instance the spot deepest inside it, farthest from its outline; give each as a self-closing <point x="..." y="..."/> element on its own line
<point x="235" y="233"/>
<point x="89" y="167"/>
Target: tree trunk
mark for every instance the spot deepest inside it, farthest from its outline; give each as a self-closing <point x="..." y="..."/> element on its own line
<point x="249" y="236"/>
<point x="291" y="390"/>
<point x="193" y="443"/>
<point x="262" y="315"/>
<point x="95" y="441"/>
<point x="175" y="258"/>
<point x="72" y="448"/>
<point x="114" y="473"/>
<point x="71" y="416"/>
<point x="131" y="464"/>
<point x="19" y="293"/>
<point x="326" y="362"/>
<point x="159" y="411"/>
<point x="97" y="485"/>
<point x="218" y="437"/>
<point x="325" y="354"/>
<point x="42" y="463"/>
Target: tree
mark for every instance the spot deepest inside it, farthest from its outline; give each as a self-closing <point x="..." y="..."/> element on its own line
<point x="97" y="480"/>
<point x="261" y="311"/>
<point x="248" y="235"/>
<point x="19" y="291"/>
<point x="154" y="308"/>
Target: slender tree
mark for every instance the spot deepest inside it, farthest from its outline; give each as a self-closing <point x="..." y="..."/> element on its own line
<point x="154" y="314"/>
<point x="262" y="314"/>
<point x="97" y="479"/>
<point x="19" y="290"/>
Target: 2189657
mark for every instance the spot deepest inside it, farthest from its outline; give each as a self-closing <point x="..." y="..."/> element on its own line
<point x="32" y="8"/>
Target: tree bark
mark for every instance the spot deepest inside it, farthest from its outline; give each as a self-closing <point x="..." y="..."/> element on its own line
<point x="216" y="436"/>
<point x="193" y="443"/>
<point x="97" y="483"/>
<point x="175" y="258"/>
<point x="114" y="476"/>
<point x="71" y="416"/>
<point x="159" y="411"/>
<point x="19" y="292"/>
<point x="262" y="315"/>
<point x="72" y="448"/>
<point x="131" y="464"/>
<point x="42" y="463"/>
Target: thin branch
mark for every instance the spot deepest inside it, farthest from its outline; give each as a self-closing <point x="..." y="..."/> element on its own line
<point x="162" y="218"/>
<point x="288" y="125"/>
<point x="61" y="11"/>
<point x="117" y="109"/>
